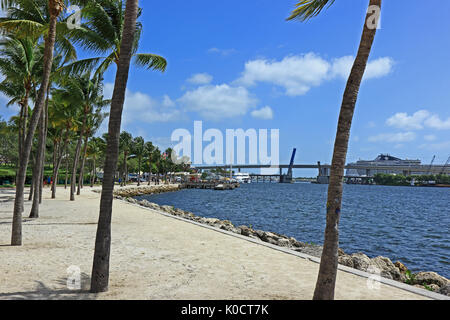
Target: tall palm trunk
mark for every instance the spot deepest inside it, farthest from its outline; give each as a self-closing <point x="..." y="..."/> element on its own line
<point x="30" y="194"/>
<point x="67" y="170"/>
<point x="44" y="145"/>
<point x="83" y="160"/>
<point x="100" y="268"/>
<point x="94" y="172"/>
<point x="326" y="280"/>
<point x="139" y="172"/>
<point x="75" y="164"/>
<point x="37" y="173"/>
<point x="125" y="168"/>
<point x="62" y="150"/>
<point x="56" y="146"/>
<point x="16" y="237"/>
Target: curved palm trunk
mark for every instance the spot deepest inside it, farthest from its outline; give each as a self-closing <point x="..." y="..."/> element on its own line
<point x="37" y="172"/>
<point x="44" y="145"/>
<point x="326" y="280"/>
<point x="83" y="161"/>
<point x="100" y="268"/>
<point x="16" y="236"/>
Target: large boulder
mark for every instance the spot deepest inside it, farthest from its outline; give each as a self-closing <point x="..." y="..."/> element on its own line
<point x="346" y="260"/>
<point x="385" y="268"/>
<point x="295" y="244"/>
<point x="427" y="278"/>
<point x="283" y="242"/>
<point x="401" y="267"/>
<point x="246" y="231"/>
<point x="360" y="261"/>
<point x="445" y="290"/>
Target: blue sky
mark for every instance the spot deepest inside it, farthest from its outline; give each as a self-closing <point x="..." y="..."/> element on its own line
<point x="239" y="64"/>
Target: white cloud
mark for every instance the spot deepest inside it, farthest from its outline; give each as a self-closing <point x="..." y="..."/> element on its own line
<point x="439" y="146"/>
<point x="402" y="120"/>
<point x="215" y="102"/>
<point x="371" y="124"/>
<point x="298" y="74"/>
<point x="419" y="120"/>
<point x="393" y="137"/>
<point x="436" y="123"/>
<point x="167" y="102"/>
<point x="378" y="68"/>
<point x="140" y="107"/>
<point x="223" y="52"/>
<point x="430" y="137"/>
<point x="200" y="78"/>
<point x="265" y="113"/>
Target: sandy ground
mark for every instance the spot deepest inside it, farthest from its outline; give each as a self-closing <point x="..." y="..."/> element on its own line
<point x="153" y="257"/>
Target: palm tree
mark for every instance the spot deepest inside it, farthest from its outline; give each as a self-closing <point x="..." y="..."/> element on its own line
<point x="100" y="267"/>
<point x="149" y="149"/>
<point x="93" y="152"/>
<point x="38" y="170"/>
<point x="102" y="33"/>
<point x="93" y="122"/>
<point x="20" y="63"/>
<point x="85" y="92"/>
<point x="157" y="161"/>
<point x="63" y="124"/>
<point x="126" y="145"/>
<point x="306" y="9"/>
<point x="55" y="7"/>
<point x="139" y="152"/>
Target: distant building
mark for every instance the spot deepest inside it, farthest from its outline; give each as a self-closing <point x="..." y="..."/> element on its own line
<point x="382" y="160"/>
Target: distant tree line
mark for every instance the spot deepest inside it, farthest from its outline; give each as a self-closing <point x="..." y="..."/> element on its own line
<point x="61" y="151"/>
<point x="401" y="180"/>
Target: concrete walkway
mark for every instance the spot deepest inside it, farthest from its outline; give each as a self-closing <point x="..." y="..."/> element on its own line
<point x="153" y="257"/>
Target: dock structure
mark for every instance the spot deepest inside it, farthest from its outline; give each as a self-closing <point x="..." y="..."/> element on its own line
<point x="265" y="177"/>
<point x="216" y="185"/>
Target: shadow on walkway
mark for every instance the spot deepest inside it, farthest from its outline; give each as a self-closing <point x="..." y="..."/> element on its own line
<point x="43" y="292"/>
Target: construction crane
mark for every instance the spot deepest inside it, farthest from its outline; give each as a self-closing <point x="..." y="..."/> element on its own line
<point x="287" y="178"/>
<point x="445" y="165"/>
<point x="431" y="165"/>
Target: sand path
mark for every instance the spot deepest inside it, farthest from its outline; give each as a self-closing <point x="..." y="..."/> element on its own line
<point x="153" y="257"/>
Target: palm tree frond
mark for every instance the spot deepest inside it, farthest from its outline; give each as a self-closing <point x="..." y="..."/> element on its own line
<point x="307" y="9"/>
<point x="25" y="28"/>
<point x="150" y="61"/>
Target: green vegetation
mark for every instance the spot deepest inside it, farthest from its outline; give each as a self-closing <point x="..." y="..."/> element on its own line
<point x="401" y="180"/>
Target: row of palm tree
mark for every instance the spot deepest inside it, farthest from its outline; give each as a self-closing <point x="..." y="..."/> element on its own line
<point x="110" y="30"/>
<point x="39" y="62"/>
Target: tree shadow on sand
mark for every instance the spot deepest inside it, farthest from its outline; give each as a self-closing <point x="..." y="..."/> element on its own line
<point x="44" y="292"/>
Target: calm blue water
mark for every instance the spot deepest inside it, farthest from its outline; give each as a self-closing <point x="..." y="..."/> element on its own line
<point x="411" y="225"/>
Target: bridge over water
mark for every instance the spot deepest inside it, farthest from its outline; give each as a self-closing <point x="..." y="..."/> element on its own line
<point x="324" y="169"/>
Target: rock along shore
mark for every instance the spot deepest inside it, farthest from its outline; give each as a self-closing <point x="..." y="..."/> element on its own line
<point x="381" y="266"/>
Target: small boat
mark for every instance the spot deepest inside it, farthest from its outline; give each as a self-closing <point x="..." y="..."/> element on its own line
<point x="219" y="187"/>
<point x="242" y="177"/>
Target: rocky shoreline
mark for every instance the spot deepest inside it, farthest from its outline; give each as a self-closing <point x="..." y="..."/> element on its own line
<point x="381" y="266"/>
